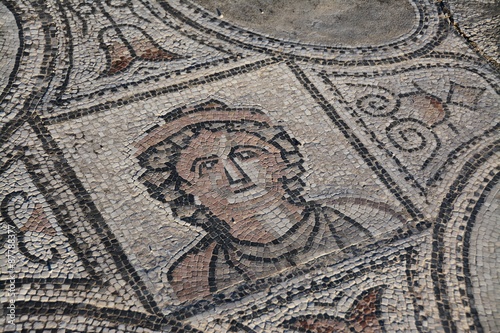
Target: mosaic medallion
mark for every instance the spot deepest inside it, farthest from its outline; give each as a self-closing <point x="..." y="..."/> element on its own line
<point x="263" y="166"/>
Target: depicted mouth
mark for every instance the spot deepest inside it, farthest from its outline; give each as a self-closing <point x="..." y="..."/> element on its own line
<point x="244" y="189"/>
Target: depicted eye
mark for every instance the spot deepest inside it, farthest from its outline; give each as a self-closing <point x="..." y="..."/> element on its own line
<point x="207" y="165"/>
<point x="243" y="153"/>
<point x="246" y="154"/>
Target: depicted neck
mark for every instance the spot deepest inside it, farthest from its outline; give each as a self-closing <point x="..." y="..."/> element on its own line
<point x="270" y="220"/>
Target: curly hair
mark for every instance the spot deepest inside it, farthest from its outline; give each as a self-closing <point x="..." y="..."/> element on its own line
<point x="164" y="183"/>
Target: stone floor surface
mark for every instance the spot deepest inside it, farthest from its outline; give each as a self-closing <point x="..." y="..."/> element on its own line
<point x="249" y="166"/>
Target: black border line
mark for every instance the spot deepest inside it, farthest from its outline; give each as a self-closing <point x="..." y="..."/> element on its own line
<point x="465" y="252"/>
<point x="46" y="71"/>
<point x="206" y="65"/>
<point x="402" y="255"/>
<point x="34" y="176"/>
<point x="440" y="63"/>
<point x="173" y="88"/>
<point x="428" y="53"/>
<point x="454" y="153"/>
<point x="22" y="45"/>
<point x="60" y="217"/>
<point x="355" y="142"/>
<point x="441" y="33"/>
<point x="195" y="307"/>
<point x="59" y="96"/>
<point x="379" y="144"/>
<point x="126" y="317"/>
<point x="288" y="324"/>
<point x="20" y="120"/>
<point x="411" y="279"/>
<point x="444" y="4"/>
<point x="56" y="282"/>
<point x="93" y="216"/>
<point x="113" y="248"/>
<point x="433" y="178"/>
<point x="437" y="273"/>
<point x="69" y="49"/>
<point x="183" y="33"/>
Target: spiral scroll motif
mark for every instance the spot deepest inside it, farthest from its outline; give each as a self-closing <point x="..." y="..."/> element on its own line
<point x="378" y="104"/>
<point x="12" y="206"/>
<point x="410" y="135"/>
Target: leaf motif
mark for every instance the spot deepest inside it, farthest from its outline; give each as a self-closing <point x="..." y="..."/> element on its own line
<point x="122" y="51"/>
<point x="38" y="222"/>
<point x="361" y="317"/>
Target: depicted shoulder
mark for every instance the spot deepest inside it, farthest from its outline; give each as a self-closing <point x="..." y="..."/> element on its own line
<point x="189" y="275"/>
<point x="377" y="217"/>
<point x="345" y="230"/>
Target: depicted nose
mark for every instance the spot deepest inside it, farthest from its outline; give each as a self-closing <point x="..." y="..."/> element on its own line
<point x="234" y="172"/>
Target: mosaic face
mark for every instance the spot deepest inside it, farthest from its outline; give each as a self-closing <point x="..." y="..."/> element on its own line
<point x="233" y="166"/>
<point x="249" y="166"/>
<point x="233" y="174"/>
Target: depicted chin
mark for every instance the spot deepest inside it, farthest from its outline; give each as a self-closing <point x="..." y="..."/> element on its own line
<point x="252" y="205"/>
<point x="255" y="197"/>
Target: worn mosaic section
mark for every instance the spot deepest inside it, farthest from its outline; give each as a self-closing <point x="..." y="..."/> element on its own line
<point x="171" y="166"/>
<point x="478" y="22"/>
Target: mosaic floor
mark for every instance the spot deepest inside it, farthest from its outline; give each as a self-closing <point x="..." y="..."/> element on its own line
<point x="249" y="166"/>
